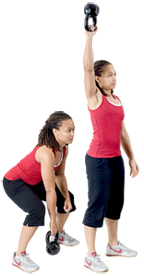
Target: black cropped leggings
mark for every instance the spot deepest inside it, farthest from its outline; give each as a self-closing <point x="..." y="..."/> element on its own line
<point x="29" y="198"/>
<point x="105" y="189"/>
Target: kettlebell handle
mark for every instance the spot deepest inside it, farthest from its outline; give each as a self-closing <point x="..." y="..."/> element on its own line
<point x="88" y="16"/>
<point x="48" y="237"/>
<point x="57" y="236"/>
<point x="91" y="11"/>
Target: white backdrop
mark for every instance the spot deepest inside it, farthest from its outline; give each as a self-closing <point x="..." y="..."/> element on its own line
<point x="41" y="71"/>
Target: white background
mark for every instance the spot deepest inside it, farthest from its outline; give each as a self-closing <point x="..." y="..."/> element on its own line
<point x="41" y="71"/>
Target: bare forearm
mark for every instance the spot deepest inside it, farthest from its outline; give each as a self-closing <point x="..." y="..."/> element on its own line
<point x="88" y="59"/>
<point x="62" y="185"/>
<point x="51" y="204"/>
<point x="125" y="142"/>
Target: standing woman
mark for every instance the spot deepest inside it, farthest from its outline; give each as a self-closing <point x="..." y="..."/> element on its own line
<point x="40" y="176"/>
<point x="104" y="163"/>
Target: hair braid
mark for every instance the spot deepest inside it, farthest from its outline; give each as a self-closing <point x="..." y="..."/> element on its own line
<point x="98" y="69"/>
<point x="46" y="136"/>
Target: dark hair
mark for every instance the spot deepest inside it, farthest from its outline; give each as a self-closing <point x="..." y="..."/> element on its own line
<point x="46" y="136"/>
<point x="98" y="69"/>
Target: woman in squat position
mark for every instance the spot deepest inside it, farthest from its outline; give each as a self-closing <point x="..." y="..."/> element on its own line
<point x="40" y="176"/>
<point x="104" y="163"/>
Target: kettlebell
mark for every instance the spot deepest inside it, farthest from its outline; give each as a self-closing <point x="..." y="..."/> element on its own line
<point x="53" y="247"/>
<point x="91" y="10"/>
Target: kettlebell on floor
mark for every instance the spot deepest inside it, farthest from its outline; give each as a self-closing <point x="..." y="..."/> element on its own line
<point x="52" y="247"/>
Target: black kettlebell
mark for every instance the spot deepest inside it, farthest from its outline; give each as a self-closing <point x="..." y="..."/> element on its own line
<point x="91" y="10"/>
<point x="53" y="247"/>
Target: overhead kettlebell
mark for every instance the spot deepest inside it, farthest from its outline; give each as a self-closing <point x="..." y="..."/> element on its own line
<point x="91" y="10"/>
<point x="52" y="247"/>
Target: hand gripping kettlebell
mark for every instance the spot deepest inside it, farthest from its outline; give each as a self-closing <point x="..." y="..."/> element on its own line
<point x="91" y="10"/>
<point x="52" y="247"/>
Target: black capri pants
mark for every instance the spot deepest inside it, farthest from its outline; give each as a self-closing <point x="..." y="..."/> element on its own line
<point x="29" y="198"/>
<point x="105" y="189"/>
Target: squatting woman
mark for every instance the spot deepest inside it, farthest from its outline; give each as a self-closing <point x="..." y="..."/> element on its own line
<point x="38" y="177"/>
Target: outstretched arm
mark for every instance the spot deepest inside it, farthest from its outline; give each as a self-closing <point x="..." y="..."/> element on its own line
<point x="125" y="142"/>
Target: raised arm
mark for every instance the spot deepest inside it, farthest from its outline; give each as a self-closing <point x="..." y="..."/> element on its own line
<point x="89" y="77"/>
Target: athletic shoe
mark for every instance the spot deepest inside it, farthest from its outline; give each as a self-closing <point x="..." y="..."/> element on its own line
<point x="67" y="240"/>
<point x="120" y="250"/>
<point x="23" y="262"/>
<point x="94" y="263"/>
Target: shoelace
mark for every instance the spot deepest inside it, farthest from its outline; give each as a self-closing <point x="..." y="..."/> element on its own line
<point x="126" y="248"/>
<point x="67" y="235"/>
<point x="28" y="258"/>
<point x="122" y="244"/>
<point x="97" y="257"/>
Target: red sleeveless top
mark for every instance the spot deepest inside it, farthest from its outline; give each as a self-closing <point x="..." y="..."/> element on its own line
<point x="107" y="124"/>
<point x="28" y="169"/>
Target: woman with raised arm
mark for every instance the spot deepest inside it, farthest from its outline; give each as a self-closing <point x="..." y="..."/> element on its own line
<point x="38" y="177"/>
<point x="104" y="163"/>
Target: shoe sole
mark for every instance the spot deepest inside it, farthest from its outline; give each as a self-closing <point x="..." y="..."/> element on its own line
<point x="68" y="244"/>
<point x="29" y="272"/>
<point x="121" y="256"/>
<point x="100" y="272"/>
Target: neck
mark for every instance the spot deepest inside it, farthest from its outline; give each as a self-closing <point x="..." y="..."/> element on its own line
<point x="108" y="92"/>
<point x="61" y="145"/>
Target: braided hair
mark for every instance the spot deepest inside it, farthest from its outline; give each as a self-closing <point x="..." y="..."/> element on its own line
<point x="46" y="136"/>
<point x="98" y="69"/>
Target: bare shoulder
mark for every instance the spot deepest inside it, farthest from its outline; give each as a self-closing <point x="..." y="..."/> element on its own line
<point x="44" y="153"/>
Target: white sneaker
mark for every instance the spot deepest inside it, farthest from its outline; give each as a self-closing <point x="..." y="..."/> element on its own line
<point x="23" y="262"/>
<point x="67" y="240"/>
<point x="94" y="263"/>
<point x="120" y="250"/>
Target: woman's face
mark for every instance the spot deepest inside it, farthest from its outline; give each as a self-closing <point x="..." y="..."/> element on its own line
<point x="107" y="80"/>
<point x="65" y="134"/>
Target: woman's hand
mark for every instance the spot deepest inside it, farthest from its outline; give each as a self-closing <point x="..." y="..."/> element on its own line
<point x="67" y="205"/>
<point x="91" y="34"/>
<point x="134" y="168"/>
<point x="53" y="227"/>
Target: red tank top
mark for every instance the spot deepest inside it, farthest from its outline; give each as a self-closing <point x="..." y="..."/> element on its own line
<point x="28" y="169"/>
<point x="107" y="124"/>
